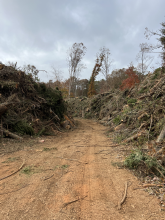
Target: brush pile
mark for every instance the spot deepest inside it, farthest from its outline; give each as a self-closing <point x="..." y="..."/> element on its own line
<point x="135" y="115"/>
<point x="26" y="106"/>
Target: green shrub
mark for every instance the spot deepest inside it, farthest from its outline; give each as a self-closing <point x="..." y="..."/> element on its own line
<point x="137" y="158"/>
<point x="134" y="159"/>
<point x="53" y="99"/>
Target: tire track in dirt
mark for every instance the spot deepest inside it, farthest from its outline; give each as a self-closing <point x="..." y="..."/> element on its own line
<point x="98" y="196"/>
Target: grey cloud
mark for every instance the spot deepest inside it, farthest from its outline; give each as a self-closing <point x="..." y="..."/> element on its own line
<point x="40" y="32"/>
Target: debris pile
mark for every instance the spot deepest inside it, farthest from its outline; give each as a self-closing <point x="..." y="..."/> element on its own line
<point x="26" y="106"/>
<point x="135" y="115"/>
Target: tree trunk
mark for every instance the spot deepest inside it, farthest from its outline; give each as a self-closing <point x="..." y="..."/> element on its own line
<point x="136" y="136"/>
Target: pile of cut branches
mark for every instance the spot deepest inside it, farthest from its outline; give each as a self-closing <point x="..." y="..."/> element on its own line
<point x="27" y="106"/>
<point x="135" y="115"/>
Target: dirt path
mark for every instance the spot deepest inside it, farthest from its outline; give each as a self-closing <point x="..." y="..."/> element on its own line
<point x="74" y="179"/>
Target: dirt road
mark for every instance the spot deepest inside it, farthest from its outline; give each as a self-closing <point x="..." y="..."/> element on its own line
<point x="72" y="177"/>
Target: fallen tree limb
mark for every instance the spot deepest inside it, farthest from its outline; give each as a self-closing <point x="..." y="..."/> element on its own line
<point x="67" y="118"/>
<point x="149" y="185"/>
<point x="135" y="136"/>
<point x="55" y="127"/>
<point x="158" y="84"/>
<point x="142" y="115"/>
<point x="142" y="125"/>
<point x="49" y="177"/>
<point x="50" y="120"/>
<point x="68" y="203"/>
<point x="124" y="197"/>
<point x="160" y="172"/>
<point x="161" y="151"/>
<point x="8" y="133"/>
<point x="56" y="116"/>
<point x="14" y="171"/>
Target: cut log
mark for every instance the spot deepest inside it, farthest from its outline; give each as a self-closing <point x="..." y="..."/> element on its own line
<point x="136" y="136"/>
<point x="158" y="85"/>
<point x="8" y="133"/>
<point x="120" y="127"/>
<point x="67" y="118"/>
<point x="142" y="115"/>
<point x="161" y="135"/>
<point x="65" y="123"/>
<point x="56" y="116"/>
<point x="160" y="152"/>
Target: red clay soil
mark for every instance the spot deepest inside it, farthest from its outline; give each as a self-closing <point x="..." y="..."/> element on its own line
<point x="72" y="177"/>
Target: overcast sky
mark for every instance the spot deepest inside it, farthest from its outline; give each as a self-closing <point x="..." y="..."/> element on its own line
<point x="39" y="32"/>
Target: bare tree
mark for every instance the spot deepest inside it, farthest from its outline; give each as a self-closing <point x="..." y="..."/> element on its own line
<point x="145" y="60"/>
<point x="58" y="77"/>
<point x="58" y="74"/>
<point x="107" y="62"/>
<point x="161" y="38"/>
<point x="74" y="58"/>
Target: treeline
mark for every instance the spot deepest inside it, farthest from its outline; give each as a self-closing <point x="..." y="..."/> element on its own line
<point x="118" y="79"/>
